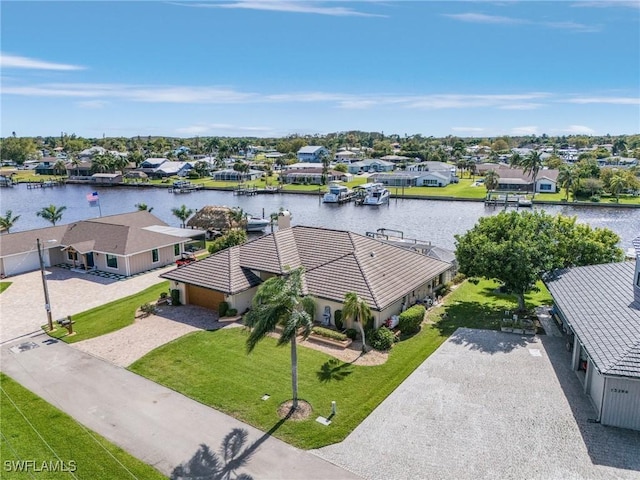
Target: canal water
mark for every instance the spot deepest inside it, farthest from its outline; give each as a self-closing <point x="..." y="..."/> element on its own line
<point x="434" y="220"/>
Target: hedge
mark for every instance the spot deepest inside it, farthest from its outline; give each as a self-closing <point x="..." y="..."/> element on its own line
<point x="411" y="319"/>
<point x="328" y="333"/>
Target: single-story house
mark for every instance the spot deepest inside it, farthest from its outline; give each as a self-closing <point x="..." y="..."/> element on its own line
<point x="336" y="262"/>
<point x="107" y="178"/>
<point x="150" y="164"/>
<point x="90" y="152"/>
<point x="370" y="165"/>
<point x="311" y="176"/>
<point x="45" y="167"/>
<point x="395" y="158"/>
<point x="516" y="180"/>
<point x="123" y="244"/>
<point x="401" y="178"/>
<point x="346" y="156"/>
<point x="599" y="310"/>
<point x="231" y="175"/>
<point x="312" y="153"/>
<point x="170" y="168"/>
<point x="80" y="169"/>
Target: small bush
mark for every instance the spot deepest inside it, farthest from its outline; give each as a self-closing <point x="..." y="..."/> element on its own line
<point x="328" y="333"/>
<point x="351" y="333"/>
<point x="164" y="294"/>
<point x="232" y="312"/>
<point x="223" y="308"/>
<point x="594" y="198"/>
<point x="442" y="290"/>
<point x="148" y="309"/>
<point x="193" y="175"/>
<point x="175" y="297"/>
<point x="474" y="280"/>
<point x="411" y="319"/>
<point x="337" y="318"/>
<point x="459" y="278"/>
<point x="382" y="339"/>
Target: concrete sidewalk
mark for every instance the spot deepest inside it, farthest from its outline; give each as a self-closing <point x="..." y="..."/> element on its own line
<point x="155" y="424"/>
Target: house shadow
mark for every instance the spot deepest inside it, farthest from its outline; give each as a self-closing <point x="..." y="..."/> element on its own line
<point x="334" y="370"/>
<point x="492" y="342"/>
<point x="61" y="274"/>
<point x="606" y="446"/>
<point x="224" y="465"/>
<point x="193" y="315"/>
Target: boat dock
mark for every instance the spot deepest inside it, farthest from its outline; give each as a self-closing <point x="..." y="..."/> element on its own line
<point x="45" y="184"/>
<point x="185" y="187"/>
<point x="253" y="190"/>
<point x="507" y="200"/>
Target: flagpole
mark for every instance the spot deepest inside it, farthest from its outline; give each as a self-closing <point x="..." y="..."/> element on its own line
<point x="99" y="207"/>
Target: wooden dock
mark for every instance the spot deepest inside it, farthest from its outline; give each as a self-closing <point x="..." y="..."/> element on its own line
<point x="46" y="184"/>
<point x="186" y="188"/>
<point x="507" y="199"/>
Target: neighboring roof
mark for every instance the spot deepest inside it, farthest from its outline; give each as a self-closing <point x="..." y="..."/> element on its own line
<point x="336" y="262"/>
<point x="598" y="303"/>
<point x="311" y="149"/>
<point x="176" y="232"/>
<point x="106" y="175"/>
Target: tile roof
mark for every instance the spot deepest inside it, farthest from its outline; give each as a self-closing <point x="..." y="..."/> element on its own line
<point x="336" y="262"/>
<point x="598" y="303"/>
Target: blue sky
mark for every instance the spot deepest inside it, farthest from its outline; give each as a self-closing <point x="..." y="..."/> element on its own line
<point x="273" y="68"/>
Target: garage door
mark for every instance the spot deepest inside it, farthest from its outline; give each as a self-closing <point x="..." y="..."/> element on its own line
<point x="18" y="264"/>
<point x="204" y="297"/>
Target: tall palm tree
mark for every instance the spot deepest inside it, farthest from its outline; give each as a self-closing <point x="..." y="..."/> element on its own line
<point x="357" y="310"/>
<point x="566" y="179"/>
<point x="7" y="222"/>
<point x="183" y="213"/>
<point x="51" y="213"/>
<point x="616" y="184"/>
<point x="491" y="180"/>
<point x="60" y="168"/>
<point x="515" y="159"/>
<point x="279" y="301"/>
<point x="532" y="164"/>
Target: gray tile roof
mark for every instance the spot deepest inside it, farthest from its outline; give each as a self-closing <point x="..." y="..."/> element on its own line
<point x="336" y="262"/>
<point x="598" y="303"/>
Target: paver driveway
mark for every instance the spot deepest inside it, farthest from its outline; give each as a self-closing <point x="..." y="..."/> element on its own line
<point x="22" y="304"/>
<point x="489" y="405"/>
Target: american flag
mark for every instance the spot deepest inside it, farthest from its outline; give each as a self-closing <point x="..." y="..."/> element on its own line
<point x="92" y="197"/>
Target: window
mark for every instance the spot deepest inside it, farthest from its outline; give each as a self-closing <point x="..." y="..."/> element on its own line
<point x="70" y="255"/>
<point x="154" y="255"/>
<point x="638" y="280"/>
<point x="545" y="187"/>
<point x="176" y="249"/>
<point x="112" y="261"/>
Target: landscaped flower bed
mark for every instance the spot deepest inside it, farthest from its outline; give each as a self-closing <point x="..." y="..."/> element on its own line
<point x="329" y="337"/>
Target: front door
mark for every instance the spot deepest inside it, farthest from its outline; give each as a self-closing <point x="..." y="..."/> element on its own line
<point x="90" y="263"/>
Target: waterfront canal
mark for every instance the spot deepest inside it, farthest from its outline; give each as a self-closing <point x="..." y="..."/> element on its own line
<point x="434" y="220"/>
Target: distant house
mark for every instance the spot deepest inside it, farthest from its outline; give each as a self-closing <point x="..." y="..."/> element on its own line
<point x="231" y="175"/>
<point x="395" y="158"/>
<point x="336" y="262"/>
<point x="80" y="169"/>
<point x="598" y="307"/>
<point x="370" y="165"/>
<point x="88" y="153"/>
<point x="402" y="178"/>
<point x="312" y="153"/>
<point x="152" y="163"/>
<point x="311" y="176"/>
<point x="107" y="178"/>
<point x="515" y="180"/>
<point x="45" y="167"/>
<point x="123" y="244"/>
<point x="345" y="156"/>
<point x="169" y="169"/>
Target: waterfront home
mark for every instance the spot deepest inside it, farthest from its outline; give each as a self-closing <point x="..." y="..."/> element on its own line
<point x="231" y="175"/>
<point x="312" y="176"/>
<point x="370" y="165"/>
<point x="79" y="168"/>
<point x="170" y="169"/>
<point x="45" y="167"/>
<point x="401" y="178"/>
<point x="514" y="179"/>
<point x="107" y="178"/>
<point x="598" y="307"/>
<point x="312" y="153"/>
<point x="121" y="245"/>
<point x="336" y="262"/>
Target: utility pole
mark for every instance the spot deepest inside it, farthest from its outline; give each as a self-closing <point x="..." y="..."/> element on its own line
<point x="47" y="305"/>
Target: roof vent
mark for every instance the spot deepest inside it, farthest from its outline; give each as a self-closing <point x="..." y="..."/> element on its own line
<point x="373" y="254"/>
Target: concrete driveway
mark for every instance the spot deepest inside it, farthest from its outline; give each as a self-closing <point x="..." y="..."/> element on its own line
<point x="22" y="304"/>
<point x="489" y="405"/>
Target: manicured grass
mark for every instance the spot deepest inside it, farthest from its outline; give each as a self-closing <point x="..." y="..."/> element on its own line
<point x="109" y="317"/>
<point x="93" y="456"/>
<point x="218" y="372"/>
<point x="4" y="286"/>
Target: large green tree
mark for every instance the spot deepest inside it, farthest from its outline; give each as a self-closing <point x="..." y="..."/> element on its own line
<point x="233" y="237"/>
<point x="15" y="149"/>
<point x="183" y="213"/>
<point x="51" y="213"/>
<point x="491" y="180"/>
<point x="516" y="248"/>
<point x="280" y="301"/>
<point x="356" y="310"/>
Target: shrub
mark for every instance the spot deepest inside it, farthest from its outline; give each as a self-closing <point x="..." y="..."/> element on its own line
<point x="223" y="308"/>
<point x="148" y="309"/>
<point x="411" y="319"/>
<point x="328" y="333"/>
<point x="594" y="198"/>
<point x="232" y="312"/>
<point x="175" y="297"/>
<point x="459" y="278"/>
<point x="382" y="339"/>
<point x="351" y="333"/>
<point x="164" y="294"/>
<point x="337" y="318"/>
<point x="193" y="175"/>
<point x="442" y="290"/>
<point x="309" y="305"/>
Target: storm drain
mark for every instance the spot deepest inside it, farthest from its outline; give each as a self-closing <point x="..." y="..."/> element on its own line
<point x="23" y="347"/>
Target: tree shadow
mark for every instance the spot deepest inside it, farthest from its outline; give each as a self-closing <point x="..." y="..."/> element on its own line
<point x="490" y="342"/>
<point x="334" y="369"/>
<point x="608" y="446"/>
<point x="208" y="465"/>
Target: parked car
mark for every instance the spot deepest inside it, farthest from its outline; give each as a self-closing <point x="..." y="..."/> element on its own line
<point x="185" y="259"/>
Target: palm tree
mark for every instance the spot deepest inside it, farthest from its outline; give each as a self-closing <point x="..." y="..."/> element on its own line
<point x="357" y="310"/>
<point x="566" y="179"/>
<point x="51" y="213"/>
<point x="279" y="301"/>
<point x="515" y="159"/>
<point x="616" y="184"/>
<point x="7" y="222"/>
<point x="143" y="207"/>
<point x="237" y="217"/>
<point x="491" y="180"/>
<point x="60" y="168"/>
<point x="532" y="164"/>
<point x="183" y="213"/>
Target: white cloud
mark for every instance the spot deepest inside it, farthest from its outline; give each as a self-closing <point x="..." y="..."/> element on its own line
<point x="608" y="4"/>
<point x="468" y="129"/>
<point x="482" y="18"/>
<point x="15" y="61"/>
<point x="528" y="130"/>
<point x="220" y="128"/>
<point x="521" y="106"/>
<point x="92" y="104"/>
<point x="606" y="100"/>
<point x="285" y="6"/>
<point x="573" y="26"/>
<point x="579" y="130"/>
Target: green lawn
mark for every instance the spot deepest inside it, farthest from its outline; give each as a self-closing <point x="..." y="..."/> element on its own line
<point x="109" y="317"/>
<point x="218" y="372"/>
<point x="4" y="286"/>
<point x="29" y="424"/>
